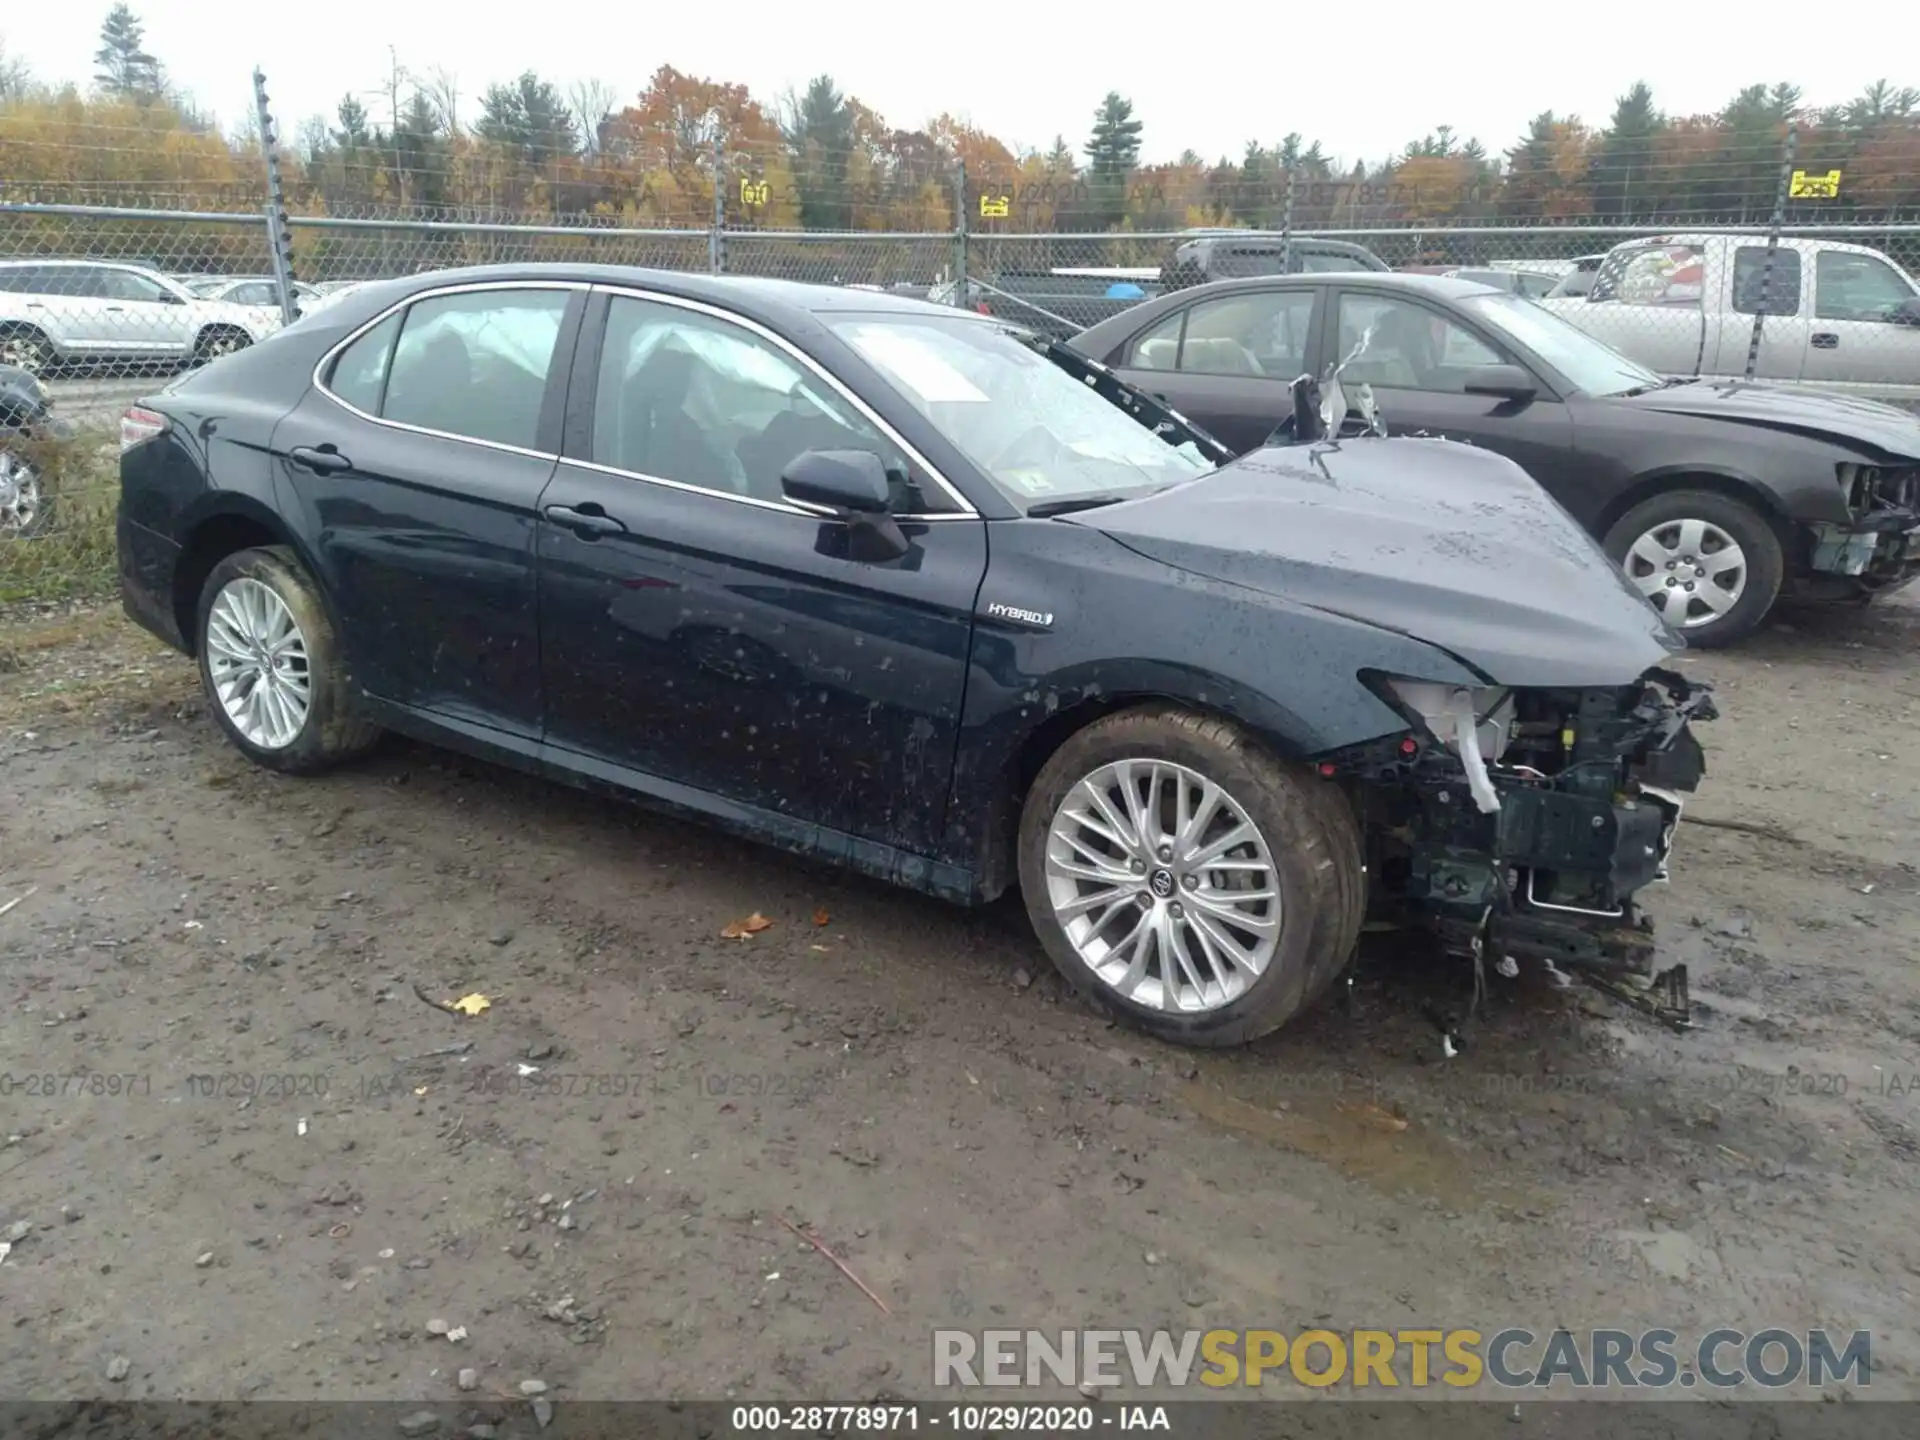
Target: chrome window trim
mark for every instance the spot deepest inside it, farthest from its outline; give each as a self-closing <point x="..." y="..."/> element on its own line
<point x="327" y="360"/>
<point x="808" y="363"/>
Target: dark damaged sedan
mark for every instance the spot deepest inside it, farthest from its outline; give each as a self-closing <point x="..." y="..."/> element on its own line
<point x="906" y="589"/>
<point x="1716" y="497"/>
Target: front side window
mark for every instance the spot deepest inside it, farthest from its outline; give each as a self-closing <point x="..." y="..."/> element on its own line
<point x="475" y="364"/>
<point x="1035" y="431"/>
<point x="1856" y="287"/>
<point x="254" y="292"/>
<point x="1402" y="346"/>
<point x="692" y="398"/>
<point x="129" y="285"/>
<point x="1781" y="294"/>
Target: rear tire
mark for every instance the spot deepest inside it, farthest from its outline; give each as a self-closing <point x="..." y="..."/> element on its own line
<point x="26" y="502"/>
<point x="271" y="665"/>
<point x="1654" y="543"/>
<point x="218" y="340"/>
<point x="1162" y="936"/>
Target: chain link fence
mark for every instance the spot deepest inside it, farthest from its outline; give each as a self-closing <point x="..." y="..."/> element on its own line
<point x="99" y="304"/>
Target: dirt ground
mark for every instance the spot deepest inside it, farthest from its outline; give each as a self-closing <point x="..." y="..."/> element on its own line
<point x="279" y="1163"/>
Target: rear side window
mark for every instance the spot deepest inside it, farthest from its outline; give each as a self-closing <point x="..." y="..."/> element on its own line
<point x="1659" y="273"/>
<point x="1750" y="280"/>
<point x="476" y="364"/>
<point x="360" y="374"/>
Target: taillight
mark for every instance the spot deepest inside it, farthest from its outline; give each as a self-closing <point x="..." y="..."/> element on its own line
<point x="980" y="307"/>
<point x="138" y="426"/>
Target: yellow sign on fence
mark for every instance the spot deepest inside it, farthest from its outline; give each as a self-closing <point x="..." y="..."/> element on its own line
<point x="1814" y="187"/>
<point x="994" y="207"/>
<point x="752" y="194"/>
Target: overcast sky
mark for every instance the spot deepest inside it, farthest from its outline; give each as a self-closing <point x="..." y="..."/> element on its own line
<point x="1364" y="83"/>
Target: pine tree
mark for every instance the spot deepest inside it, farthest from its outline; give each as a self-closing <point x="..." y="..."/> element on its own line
<point x="1623" y="172"/>
<point x="127" y="71"/>
<point x="1114" y="149"/>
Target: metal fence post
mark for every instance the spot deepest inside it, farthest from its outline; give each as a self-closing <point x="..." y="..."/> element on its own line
<point x="717" y="245"/>
<point x="1286" y="226"/>
<point x="279" y="240"/>
<point x="960" y="234"/>
<point x="1773" y="248"/>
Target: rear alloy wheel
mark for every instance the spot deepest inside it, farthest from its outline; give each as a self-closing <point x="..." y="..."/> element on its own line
<point x="1181" y="876"/>
<point x="216" y="341"/>
<point x="25" y="348"/>
<point x="1708" y="564"/>
<point x="271" y="667"/>
<point x="25" y="507"/>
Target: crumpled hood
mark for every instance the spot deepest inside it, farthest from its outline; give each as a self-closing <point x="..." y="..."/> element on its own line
<point x="1454" y="546"/>
<point x="1799" y="409"/>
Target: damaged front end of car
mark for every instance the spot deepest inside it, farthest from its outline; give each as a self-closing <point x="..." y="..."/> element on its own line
<point x="1520" y="824"/>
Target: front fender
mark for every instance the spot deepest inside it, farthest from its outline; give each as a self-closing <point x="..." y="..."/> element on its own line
<point x="1125" y="629"/>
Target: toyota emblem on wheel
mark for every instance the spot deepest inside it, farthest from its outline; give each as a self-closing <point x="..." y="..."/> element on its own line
<point x="1162" y="883"/>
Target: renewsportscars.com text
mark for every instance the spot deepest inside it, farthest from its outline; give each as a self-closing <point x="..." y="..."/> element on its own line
<point x="1511" y="1358"/>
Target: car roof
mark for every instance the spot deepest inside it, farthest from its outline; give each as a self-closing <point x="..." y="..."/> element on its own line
<point x="757" y="297"/>
<point x="1444" y="286"/>
<point x="116" y="264"/>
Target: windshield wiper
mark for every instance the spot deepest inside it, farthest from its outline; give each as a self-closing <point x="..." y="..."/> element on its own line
<point x="1067" y="506"/>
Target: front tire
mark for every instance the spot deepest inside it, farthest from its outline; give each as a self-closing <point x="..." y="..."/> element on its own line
<point x="1711" y="566"/>
<point x="271" y="665"/>
<point x="1185" y="879"/>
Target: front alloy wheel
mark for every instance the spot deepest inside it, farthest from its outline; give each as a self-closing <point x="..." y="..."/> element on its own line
<point x="1185" y="878"/>
<point x="1164" y="887"/>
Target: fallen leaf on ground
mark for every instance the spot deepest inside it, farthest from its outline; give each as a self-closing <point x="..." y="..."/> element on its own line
<point x="472" y="1004"/>
<point x="1373" y="1115"/>
<point x="820" y="917"/>
<point x="742" y="929"/>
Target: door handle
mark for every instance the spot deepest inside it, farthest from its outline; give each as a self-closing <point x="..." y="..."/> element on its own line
<point x="322" y="460"/>
<point x="115" y="309"/>
<point x="1826" y="340"/>
<point x="587" y="520"/>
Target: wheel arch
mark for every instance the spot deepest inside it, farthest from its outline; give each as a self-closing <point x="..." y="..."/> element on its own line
<point x="239" y="523"/>
<point x="997" y="867"/>
<point x="1720" y="480"/>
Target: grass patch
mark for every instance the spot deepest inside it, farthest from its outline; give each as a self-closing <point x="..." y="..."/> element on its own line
<point x="73" y="554"/>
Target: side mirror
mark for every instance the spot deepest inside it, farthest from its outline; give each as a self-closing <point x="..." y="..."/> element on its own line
<point x="1907" y="312"/>
<point x="1509" y="382"/>
<point x="849" y="482"/>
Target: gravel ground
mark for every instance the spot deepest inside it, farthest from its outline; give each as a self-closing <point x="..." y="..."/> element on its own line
<point x="310" y="1170"/>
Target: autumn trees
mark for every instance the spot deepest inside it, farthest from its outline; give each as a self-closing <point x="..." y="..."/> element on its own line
<point x="817" y="158"/>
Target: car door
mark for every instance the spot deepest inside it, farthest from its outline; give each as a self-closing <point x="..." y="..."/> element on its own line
<point x="1856" y="345"/>
<point x="145" y="317"/>
<point x="77" y="307"/>
<point x="1228" y="362"/>
<point x="701" y="630"/>
<point x="415" y="466"/>
<point x="1417" y="358"/>
<point x="1788" y="325"/>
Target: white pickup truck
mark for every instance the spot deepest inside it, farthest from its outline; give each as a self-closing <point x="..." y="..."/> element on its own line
<point x="1841" y="317"/>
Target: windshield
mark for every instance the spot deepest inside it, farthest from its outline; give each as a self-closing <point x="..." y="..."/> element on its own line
<point x="1039" y="434"/>
<point x="1593" y="368"/>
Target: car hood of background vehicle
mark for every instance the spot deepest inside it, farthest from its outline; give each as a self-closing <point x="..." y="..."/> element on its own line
<point x="1451" y="545"/>
<point x="1798" y="409"/>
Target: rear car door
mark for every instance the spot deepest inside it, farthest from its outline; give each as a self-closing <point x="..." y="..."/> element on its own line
<point x="1417" y="358"/>
<point x="1856" y="345"/>
<point x="415" y="465"/>
<point x="1227" y="362"/>
<point x="700" y="629"/>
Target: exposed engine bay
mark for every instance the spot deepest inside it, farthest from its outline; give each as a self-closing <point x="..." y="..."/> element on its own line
<point x="1519" y="824"/>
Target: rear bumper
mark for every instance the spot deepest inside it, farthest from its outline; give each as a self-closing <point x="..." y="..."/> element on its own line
<point x="147" y="562"/>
